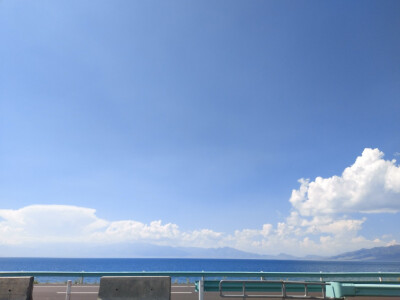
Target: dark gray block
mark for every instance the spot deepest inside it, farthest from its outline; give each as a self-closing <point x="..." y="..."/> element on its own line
<point x="135" y="288"/>
<point x="16" y="288"/>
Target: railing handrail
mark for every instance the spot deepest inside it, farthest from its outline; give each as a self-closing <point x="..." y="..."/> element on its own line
<point x="323" y="275"/>
<point x="284" y="286"/>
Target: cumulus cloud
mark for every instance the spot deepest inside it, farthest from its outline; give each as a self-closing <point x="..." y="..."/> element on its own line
<point x="322" y="208"/>
<point x="133" y="231"/>
<point x="321" y="220"/>
<point x="370" y="185"/>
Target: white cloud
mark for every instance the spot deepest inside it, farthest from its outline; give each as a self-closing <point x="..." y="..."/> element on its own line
<point x="62" y="224"/>
<point x="48" y="223"/>
<point x="72" y="224"/>
<point x="370" y="185"/>
<point x="320" y="222"/>
<point x="133" y="231"/>
<point x="201" y="238"/>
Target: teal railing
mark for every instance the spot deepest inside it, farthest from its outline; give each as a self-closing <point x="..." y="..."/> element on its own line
<point x="321" y="276"/>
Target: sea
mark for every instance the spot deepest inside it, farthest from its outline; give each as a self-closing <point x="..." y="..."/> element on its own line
<point x="169" y="264"/>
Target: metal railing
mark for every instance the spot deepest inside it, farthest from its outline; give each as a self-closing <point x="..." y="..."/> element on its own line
<point x="321" y="276"/>
<point x="202" y="276"/>
<point x="286" y="289"/>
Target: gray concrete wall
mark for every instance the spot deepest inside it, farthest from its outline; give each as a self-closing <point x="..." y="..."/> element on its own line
<point x="16" y="288"/>
<point x="135" y="288"/>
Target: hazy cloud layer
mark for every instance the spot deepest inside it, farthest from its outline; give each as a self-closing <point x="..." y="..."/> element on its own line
<point x="63" y="223"/>
<point x="320" y="221"/>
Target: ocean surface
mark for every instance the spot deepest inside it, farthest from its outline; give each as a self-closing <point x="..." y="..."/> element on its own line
<point x="147" y="264"/>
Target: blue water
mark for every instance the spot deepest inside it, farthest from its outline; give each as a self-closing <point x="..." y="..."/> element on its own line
<point x="157" y="264"/>
<point x="137" y="264"/>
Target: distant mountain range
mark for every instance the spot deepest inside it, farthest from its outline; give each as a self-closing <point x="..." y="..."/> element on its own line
<point x="141" y="250"/>
<point x="390" y="253"/>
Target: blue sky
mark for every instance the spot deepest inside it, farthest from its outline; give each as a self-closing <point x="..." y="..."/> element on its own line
<point x="202" y="115"/>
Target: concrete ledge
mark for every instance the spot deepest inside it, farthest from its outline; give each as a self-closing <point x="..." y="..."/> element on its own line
<point x="341" y="290"/>
<point x="16" y="288"/>
<point x="135" y="288"/>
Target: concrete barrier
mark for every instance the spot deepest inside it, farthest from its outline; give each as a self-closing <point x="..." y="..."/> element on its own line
<point x="135" y="288"/>
<point x="16" y="288"/>
<point x="346" y="289"/>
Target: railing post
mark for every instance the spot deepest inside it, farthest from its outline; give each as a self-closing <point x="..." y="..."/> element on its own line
<point x="201" y="288"/>
<point x="283" y="289"/>
<point x="68" y="292"/>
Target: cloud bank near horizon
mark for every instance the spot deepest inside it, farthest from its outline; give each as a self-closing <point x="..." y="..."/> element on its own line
<point x="320" y="221"/>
